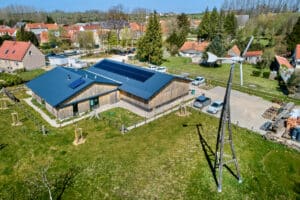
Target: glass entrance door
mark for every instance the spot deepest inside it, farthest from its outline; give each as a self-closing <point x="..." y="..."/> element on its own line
<point x="94" y="103"/>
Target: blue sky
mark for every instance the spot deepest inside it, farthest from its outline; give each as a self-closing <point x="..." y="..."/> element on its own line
<point x="186" y="6"/>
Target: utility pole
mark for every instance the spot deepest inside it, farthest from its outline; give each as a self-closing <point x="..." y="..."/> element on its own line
<point x="223" y="138"/>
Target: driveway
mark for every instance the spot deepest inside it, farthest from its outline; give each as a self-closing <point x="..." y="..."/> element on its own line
<point x="246" y="110"/>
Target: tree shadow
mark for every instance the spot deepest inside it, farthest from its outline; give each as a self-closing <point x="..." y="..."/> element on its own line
<point x="2" y="146"/>
<point x="65" y="181"/>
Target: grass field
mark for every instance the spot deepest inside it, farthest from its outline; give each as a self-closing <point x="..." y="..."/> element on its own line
<point x="161" y="160"/>
<point x="29" y="75"/>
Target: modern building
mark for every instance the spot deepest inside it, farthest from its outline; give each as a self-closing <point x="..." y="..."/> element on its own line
<point x="67" y="92"/>
<point x="15" y="55"/>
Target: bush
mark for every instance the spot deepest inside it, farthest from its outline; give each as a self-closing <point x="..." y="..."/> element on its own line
<point x="266" y="74"/>
<point x="256" y="73"/>
<point x="10" y="80"/>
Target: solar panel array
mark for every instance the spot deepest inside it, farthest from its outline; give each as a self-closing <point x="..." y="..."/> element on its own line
<point x="76" y="83"/>
<point x="126" y="71"/>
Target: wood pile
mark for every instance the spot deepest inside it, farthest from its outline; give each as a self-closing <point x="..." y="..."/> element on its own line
<point x="270" y="113"/>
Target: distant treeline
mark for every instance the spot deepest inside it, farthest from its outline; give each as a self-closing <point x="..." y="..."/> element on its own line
<point x="10" y="15"/>
<point x="256" y="7"/>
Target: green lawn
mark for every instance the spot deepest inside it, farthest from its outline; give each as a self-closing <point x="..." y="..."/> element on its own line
<point x="161" y="160"/>
<point x="178" y="65"/>
<point x="29" y="75"/>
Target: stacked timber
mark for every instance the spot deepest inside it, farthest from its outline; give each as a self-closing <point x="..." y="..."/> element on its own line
<point x="270" y="113"/>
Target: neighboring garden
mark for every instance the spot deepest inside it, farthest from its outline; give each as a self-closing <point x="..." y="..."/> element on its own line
<point x="18" y="77"/>
<point x="161" y="160"/>
<point x="255" y="78"/>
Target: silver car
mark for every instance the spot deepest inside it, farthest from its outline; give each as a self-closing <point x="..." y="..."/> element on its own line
<point x="215" y="107"/>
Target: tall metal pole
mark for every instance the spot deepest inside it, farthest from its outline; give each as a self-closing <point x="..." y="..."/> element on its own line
<point x="225" y="120"/>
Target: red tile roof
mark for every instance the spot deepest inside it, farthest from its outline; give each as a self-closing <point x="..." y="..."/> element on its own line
<point x="91" y="27"/>
<point x="235" y="50"/>
<point x="192" y="45"/>
<point x="298" y="51"/>
<point x="52" y="26"/>
<point x="9" y="31"/>
<point x="136" y="27"/>
<point x="253" y="53"/>
<point x="35" y="26"/>
<point x="12" y="50"/>
<point x="283" y="61"/>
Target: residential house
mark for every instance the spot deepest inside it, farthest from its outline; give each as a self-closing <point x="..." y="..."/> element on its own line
<point x="67" y="92"/>
<point x="5" y="30"/>
<point x="20" y="55"/>
<point x="283" y="67"/>
<point x="193" y="50"/>
<point x="234" y="51"/>
<point x="36" y="28"/>
<point x="137" y="30"/>
<point x="296" y="57"/>
<point x="41" y="30"/>
<point x="95" y="30"/>
<point x="253" y="57"/>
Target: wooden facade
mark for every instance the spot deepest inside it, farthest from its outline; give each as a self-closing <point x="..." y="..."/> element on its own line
<point x="177" y="88"/>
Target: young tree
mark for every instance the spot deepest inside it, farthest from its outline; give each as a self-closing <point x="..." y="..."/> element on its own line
<point x="112" y="39"/>
<point x="293" y="38"/>
<point x="49" y="20"/>
<point x="204" y="27"/>
<point x="150" y="45"/>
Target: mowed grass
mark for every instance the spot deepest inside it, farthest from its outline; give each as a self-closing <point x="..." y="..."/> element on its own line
<point x="161" y="160"/>
<point x="179" y="65"/>
<point x="29" y="75"/>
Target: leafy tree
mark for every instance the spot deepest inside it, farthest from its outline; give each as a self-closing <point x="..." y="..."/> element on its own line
<point x="49" y="20"/>
<point x="217" y="46"/>
<point x="5" y="37"/>
<point x="293" y="82"/>
<point x="150" y="45"/>
<point x="204" y="26"/>
<point x="23" y="35"/>
<point x="86" y="39"/>
<point x="293" y="38"/>
<point x="112" y="39"/>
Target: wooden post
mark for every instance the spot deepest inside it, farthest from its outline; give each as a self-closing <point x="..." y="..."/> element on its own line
<point x="3" y="104"/>
<point x="15" y="119"/>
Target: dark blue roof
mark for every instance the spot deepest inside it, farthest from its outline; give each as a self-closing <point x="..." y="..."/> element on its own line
<point x="135" y="80"/>
<point x="61" y="83"/>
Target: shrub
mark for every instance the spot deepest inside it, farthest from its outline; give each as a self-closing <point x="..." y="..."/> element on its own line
<point x="256" y="73"/>
<point x="266" y="74"/>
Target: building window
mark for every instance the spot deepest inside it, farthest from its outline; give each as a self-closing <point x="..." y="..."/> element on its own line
<point x="17" y="63"/>
<point x="6" y="52"/>
<point x="29" y="53"/>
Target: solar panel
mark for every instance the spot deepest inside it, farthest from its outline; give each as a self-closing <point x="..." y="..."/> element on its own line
<point x="126" y="71"/>
<point x="76" y="83"/>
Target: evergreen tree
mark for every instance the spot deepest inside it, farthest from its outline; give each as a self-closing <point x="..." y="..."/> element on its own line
<point x="150" y="45"/>
<point x="230" y="24"/>
<point x="214" y="24"/>
<point x="5" y="37"/>
<point x="204" y="26"/>
<point x="23" y="35"/>
<point x="49" y="20"/>
<point x="112" y="39"/>
<point x="293" y="38"/>
<point x="217" y="46"/>
<point x="177" y="38"/>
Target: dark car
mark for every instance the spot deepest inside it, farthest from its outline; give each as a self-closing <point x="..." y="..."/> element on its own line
<point x="266" y="126"/>
<point x="201" y="101"/>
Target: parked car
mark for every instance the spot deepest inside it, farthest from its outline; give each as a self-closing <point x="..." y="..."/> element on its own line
<point x="266" y="126"/>
<point x="161" y="69"/>
<point x="198" y="80"/>
<point x="152" y="67"/>
<point x="201" y="101"/>
<point x="215" y="107"/>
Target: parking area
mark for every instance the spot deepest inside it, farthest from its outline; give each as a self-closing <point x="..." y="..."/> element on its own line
<point x="246" y="110"/>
